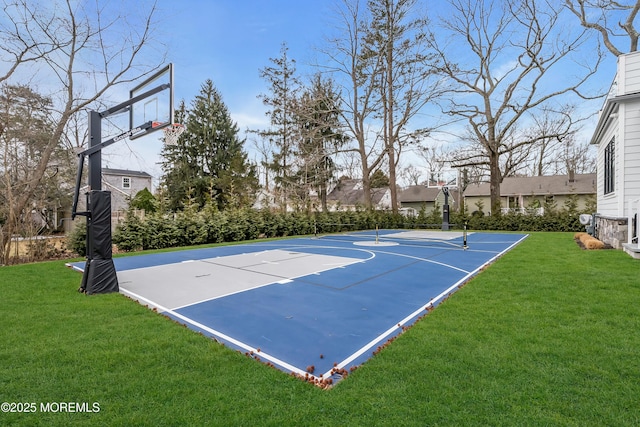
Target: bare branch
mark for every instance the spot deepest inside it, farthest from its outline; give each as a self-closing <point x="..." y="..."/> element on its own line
<point x="508" y="76"/>
<point x="59" y="42"/>
<point x="586" y="9"/>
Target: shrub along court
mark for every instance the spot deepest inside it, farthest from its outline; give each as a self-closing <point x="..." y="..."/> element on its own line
<point x="209" y="225"/>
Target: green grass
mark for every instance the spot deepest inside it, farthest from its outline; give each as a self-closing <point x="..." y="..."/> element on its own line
<point x="548" y="335"/>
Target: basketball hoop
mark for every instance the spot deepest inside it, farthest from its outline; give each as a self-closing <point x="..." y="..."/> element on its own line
<point x="172" y="133"/>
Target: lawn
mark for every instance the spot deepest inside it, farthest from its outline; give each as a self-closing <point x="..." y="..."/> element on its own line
<point x="548" y="335"/>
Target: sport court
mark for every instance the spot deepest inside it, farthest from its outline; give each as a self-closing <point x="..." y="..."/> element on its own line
<point x="310" y="305"/>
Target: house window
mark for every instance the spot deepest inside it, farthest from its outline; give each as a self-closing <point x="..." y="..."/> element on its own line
<point x="609" y="167"/>
<point x="126" y="182"/>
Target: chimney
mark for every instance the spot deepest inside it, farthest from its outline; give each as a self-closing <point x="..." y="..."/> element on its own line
<point x="572" y="175"/>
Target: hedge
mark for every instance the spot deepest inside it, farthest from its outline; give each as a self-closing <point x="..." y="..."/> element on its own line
<point x="158" y="230"/>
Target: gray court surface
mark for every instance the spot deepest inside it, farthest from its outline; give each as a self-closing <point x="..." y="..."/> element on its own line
<point x="171" y="286"/>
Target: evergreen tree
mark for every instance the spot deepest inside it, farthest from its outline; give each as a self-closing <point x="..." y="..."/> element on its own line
<point x="208" y="161"/>
<point x="144" y="200"/>
<point x="283" y="134"/>
<point x="321" y="136"/>
<point x="379" y="179"/>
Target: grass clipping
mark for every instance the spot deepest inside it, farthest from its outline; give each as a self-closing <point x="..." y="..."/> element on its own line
<point x="588" y="242"/>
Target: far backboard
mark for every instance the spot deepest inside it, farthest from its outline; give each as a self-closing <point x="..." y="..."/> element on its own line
<point x="446" y="177"/>
<point x="158" y="106"/>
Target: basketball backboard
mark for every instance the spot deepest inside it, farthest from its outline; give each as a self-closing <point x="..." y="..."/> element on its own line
<point x="157" y="107"/>
<point x="446" y="177"/>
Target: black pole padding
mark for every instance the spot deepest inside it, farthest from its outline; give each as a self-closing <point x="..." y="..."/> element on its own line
<point x="464" y="237"/>
<point x="99" y="275"/>
<point x="445" y="210"/>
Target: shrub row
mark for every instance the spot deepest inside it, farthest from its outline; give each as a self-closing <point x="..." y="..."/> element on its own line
<point x="158" y="231"/>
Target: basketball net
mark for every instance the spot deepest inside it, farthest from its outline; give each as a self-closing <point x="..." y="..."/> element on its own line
<point x="172" y="133"/>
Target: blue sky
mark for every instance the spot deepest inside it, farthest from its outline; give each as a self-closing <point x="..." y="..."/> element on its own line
<point x="229" y="41"/>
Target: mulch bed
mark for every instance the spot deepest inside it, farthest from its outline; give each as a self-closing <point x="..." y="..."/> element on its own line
<point x="580" y="243"/>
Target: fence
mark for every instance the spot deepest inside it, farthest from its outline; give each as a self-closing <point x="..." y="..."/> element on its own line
<point x="35" y="248"/>
<point x="524" y="211"/>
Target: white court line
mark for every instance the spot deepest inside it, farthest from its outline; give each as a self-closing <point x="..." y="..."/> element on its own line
<point x="453" y="267"/>
<point x="385" y="334"/>
<point x="362" y="350"/>
<point x="280" y="282"/>
<point x="219" y="334"/>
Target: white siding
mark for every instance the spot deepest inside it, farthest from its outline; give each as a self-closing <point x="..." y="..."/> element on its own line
<point x="630" y="161"/>
<point x="607" y="204"/>
<point x="630" y="72"/>
<point x="625" y="126"/>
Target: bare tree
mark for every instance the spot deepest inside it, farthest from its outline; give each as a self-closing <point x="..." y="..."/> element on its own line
<point x="555" y="126"/>
<point x="59" y="42"/>
<point x="574" y="157"/>
<point x="598" y="15"/>
<point x="380" y="58"/>
<point x="352" y="62"/>
<point x="435" y="156"/>
<point x="504" y="57"/>
<point x="264" y="147"/>
<point x="398" y="34"/>
<point x="411" y="174"/>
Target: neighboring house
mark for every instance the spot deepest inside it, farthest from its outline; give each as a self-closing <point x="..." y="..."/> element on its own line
<point x="123" y="185"/>
<point x="531" y="194"/>
<point x="416" y="197"/>
<point x="617" y="136"/>
<point x="265" y="200"/>
<point x="348" y="194"/>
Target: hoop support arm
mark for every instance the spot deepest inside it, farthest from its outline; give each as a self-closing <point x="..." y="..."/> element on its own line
<point x="127" y="134"/>
<point x="76" y="193"/>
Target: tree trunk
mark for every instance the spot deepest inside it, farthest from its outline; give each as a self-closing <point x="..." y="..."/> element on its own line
<point x="494" y="183"/>
<point x="366" y="180"/>
<point x="323" y="197"/>
<point x="391" y="152"/>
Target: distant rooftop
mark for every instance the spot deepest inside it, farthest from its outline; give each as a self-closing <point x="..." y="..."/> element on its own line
<point x="125" y="172"/>
<point x="539" y="185"/>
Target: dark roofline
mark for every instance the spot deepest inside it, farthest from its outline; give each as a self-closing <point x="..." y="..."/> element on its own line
<point x="609" y="107"/>
<point x="125" y="172"/>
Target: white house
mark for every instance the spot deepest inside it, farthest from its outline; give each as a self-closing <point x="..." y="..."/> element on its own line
<point x="617" y="136"/>
<point x="348" y="194"/>
<point x="529" y="194"/>
<point x="124" y="185"/>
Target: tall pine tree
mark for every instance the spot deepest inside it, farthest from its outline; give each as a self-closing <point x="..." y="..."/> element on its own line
<point x="282" y="134"/>
<point x="321" y="137"/>
<point x="208" y="161"/>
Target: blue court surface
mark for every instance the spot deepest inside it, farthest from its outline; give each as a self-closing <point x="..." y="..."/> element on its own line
<point x="315" y="307"/>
